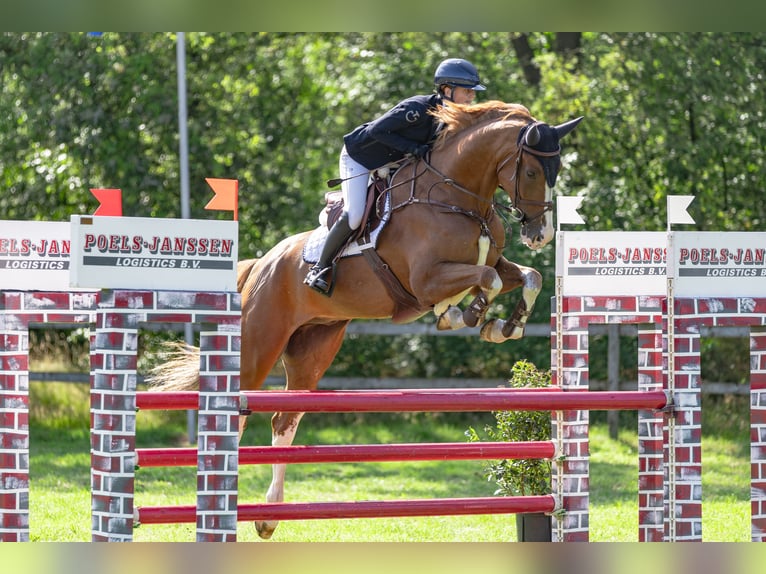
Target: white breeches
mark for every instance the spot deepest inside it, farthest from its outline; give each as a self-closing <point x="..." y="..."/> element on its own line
<point x="355" y="181"/>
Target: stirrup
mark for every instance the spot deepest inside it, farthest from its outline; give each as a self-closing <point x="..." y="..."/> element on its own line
<point x="317" y="279"/>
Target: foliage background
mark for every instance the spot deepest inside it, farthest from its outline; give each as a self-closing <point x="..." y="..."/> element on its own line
<point x="665" y="113"/>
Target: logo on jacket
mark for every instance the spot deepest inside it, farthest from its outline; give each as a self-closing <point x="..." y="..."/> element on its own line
<point x="412" y="116"/>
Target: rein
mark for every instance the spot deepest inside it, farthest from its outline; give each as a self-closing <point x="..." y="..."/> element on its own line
<point x="514" y="211"/>
<point x="482" y="220"/>
<point x="517" y="199"/>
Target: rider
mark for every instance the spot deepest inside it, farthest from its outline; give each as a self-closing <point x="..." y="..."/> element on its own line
<point x="407" y="128"/>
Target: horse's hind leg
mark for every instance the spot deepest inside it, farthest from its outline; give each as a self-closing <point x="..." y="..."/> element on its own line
<point x="309" y="353"/>
<point x="284" y="426"/>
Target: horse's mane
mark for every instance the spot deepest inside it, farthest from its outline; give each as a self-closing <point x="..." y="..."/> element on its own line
<point x="458" y="117"/>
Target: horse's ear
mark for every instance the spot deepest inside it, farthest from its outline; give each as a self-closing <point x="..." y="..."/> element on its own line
<point x="567" y="127"/>
<point x="532" y="137"/>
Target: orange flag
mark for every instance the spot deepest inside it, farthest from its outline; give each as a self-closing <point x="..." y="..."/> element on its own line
<point x="110" y="202"/>
<point x="226" y="196"/>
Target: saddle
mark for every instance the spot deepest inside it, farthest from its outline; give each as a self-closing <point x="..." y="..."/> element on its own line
<point x="408" y="307"/>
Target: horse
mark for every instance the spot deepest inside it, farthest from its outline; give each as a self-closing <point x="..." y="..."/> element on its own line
<point x="443" y="242"/>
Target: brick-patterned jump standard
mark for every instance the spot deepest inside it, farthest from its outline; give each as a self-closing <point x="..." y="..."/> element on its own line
<point x="570" y="479"/>
<point x="19" y="310"/>
<point x="672" y="442"/>
<point x="113" y="403"/>
<point x="689" y="315"/>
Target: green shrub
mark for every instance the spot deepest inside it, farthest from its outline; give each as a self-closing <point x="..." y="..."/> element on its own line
<point x="523" y="477"/>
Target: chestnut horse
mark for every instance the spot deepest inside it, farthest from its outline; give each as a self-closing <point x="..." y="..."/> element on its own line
<point x="443" y="242"/>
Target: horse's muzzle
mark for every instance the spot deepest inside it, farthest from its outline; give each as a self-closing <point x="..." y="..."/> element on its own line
<point x="537" y="236"/>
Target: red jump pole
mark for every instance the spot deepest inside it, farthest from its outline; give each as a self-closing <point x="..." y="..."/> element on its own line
<point x="187" y="400"/>
<point x="158" y="457"/>
<point x="454" y="400"/>
<point x="450" y="401"/>
<point x="361" y="509"/>
<point x="166" y="401"/>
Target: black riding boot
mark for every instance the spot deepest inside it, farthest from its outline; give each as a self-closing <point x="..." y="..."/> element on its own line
<point x="319" y="276"/>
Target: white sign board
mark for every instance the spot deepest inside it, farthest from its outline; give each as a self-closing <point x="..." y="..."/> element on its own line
<point x="718" y="264"/>
<point x="154" y="253"/>
<point x="34" y="255"/>
<point x="612" y="262"/>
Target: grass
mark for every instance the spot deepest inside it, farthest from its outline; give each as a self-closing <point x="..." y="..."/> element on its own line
<point x="60" y="460"/>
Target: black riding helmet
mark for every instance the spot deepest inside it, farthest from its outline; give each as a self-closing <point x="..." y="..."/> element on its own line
<point x="456" y="72"/>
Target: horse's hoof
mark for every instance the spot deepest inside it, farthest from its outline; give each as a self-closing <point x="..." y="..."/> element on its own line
<point x="264" y="529"/>
<point x="516" y="334"/>
<point x="513" y="330"/>
<point x="492" y="331"/>
<point x="450" y="320"/>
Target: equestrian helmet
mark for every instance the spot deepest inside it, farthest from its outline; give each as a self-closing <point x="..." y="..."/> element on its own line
<point x="458" y="72"/>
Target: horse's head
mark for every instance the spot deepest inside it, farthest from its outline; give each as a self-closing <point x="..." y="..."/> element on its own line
<point x="528" y="176"/>
<point x="526" y="162"/>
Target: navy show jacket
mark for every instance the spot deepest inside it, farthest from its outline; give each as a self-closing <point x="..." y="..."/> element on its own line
<point x="401" y="130"/>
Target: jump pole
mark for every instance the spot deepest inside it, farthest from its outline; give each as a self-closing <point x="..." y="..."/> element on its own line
<point x="162" y="457"/>
<point x="418" y="400"/>
<point x="363" y="509"/>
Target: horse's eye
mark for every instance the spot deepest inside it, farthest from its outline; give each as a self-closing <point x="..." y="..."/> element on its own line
<point x="531" y="173"/>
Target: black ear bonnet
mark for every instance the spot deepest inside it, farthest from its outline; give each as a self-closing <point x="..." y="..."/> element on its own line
<point x="543" y="138"/>
<point x="542" y="141"/>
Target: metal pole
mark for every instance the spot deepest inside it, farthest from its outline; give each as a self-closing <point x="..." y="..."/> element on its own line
<point x="183" y="132"/>
<point x="183" y="154"/>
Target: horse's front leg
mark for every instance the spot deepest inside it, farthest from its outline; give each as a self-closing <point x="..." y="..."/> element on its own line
<point x="460" y="279"/>
<point x="530" y="280"/>
<point x="284" y="426"/>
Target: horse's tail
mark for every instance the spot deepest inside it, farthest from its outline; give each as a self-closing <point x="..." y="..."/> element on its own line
<point x="180" y="372"/>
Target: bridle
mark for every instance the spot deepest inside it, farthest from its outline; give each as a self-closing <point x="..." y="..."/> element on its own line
<point x="514" y="211"/>
<point x="518" y="214"/>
